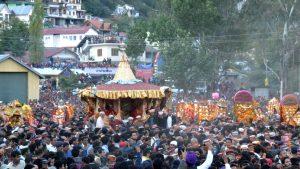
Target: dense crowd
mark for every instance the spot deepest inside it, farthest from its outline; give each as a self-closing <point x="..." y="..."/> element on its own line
<point x="61" y="64"/>
<point x="161" y="142"/>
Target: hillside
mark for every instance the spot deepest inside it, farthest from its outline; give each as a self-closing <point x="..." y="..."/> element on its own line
<point x="104" y="8"/>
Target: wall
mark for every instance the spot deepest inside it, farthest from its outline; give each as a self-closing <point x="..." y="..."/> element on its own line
<point x="24" y="18"/>
<point x="106" y="51"/>
<point x="65" y="55"/>
<point x="65" y="40"/>
<point x="33" y="80"/>
<point x="4" y="12"/>
<point x="33" y="86"/>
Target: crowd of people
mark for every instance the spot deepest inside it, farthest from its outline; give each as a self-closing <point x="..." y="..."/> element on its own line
<point x="162" y="141"/>
<point x="61" y="64"/>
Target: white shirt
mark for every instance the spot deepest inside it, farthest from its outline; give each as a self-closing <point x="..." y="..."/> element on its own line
<point x="99" y="122"/>
<point x="21" y="165"/>
<point x="169" y="122"/>
<point x="208" y="161"/>
<point x="51" y="148"/>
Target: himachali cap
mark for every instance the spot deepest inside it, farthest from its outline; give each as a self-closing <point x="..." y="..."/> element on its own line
<point x="173" y="143"/>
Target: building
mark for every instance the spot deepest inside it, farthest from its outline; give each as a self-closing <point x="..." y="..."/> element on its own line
<point x="98" y="48"/>
<point x="126" y="10"/>
<point x="5" y="13"/>
<point x="98" y="24"/>
<point x="21" y="82"/>
<point x="64" y="12"/>
<point x="148" y="55"/>
<point x="23" y="12"/>
<point x="12" y="4"/>
<point x="60" y="54"/>
<point x="70" y="37"/>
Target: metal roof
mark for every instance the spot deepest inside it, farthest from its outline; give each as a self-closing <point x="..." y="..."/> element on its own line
<point x="2" y="6"/>
<point x="22" y="10"/>
<point x="6" y="56"/>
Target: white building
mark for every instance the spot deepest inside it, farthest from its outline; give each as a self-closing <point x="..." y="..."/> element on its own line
<point x="4" y="13"/>
<point x="126" y="10"/>
<point x="60" y="54"/>
<point x="66" y="37"/>
<point x="65" y="12"/>
<point x="23" y="12"/>
<point x="98" y="48"/>
<point x="149" y="54"/>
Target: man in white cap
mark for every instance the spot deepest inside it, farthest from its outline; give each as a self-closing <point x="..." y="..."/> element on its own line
<point x="130" y="122"/>
<point x="100" y="120"/>
<point x="173" y="150"/>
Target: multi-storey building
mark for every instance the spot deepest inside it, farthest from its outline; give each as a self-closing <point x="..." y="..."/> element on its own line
<point x="98" y="48"/>
<point x="64" y="12"/>
<point x="57" y="12"/>
<point x="5" y="13"/>
<point x="60" y="37"/>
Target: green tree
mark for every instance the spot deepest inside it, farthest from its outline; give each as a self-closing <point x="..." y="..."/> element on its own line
<point x="69" y="83"/>
<point x="14" y="37"/>
<point x="186" y="63"/>
<point x="36" y="33"/>
<point x="186" y="58"/>
<point x="273" y="25"/>
<point x="136" y="43"/>
<point x="196" y="16"/>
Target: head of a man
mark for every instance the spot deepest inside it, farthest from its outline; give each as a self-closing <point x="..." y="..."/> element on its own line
<point x="15" y="157"/>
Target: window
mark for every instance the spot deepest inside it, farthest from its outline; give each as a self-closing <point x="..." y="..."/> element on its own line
<point x="99" y="52"/>
<point x="74" y="37"/>
<point x="47" y="37"/>
<point x="114" y="52"/>
<point x="7" y="17"/>
<point x="1" y="17"/>
<point x="149" y="55"/>
<point x="70" y="37"/>
<point x="80" y="37"/>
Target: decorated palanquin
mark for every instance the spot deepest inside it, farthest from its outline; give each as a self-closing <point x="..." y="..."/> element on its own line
<point x="186" y="111"/>
<point x="222" y="107"/>
<point x="63" y="113"/>
<point x="208" y="110"/>
<point x="289" y="110"/>
<point x="17" y="114"/>
<point x="124" y="96"/>
<point x="273" y="106"/>
<point x="203" y="110"/>
<point x="244" y="107"/>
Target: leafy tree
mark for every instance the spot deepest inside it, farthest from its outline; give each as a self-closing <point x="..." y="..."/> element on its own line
<point x="274" y="26"/>
<point x="69" y="83"/>
<point x="14" y="37"/>
<point x="198" y="17"/>
<point x="36" y="32"/>
<point x="186" y="63"/>
<point x="123" y="23"/>
<point x="186" y="60"/>
<point x="98" y="8"/>
<point x="104" y="8"/>
<point x="136" y="44"/>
